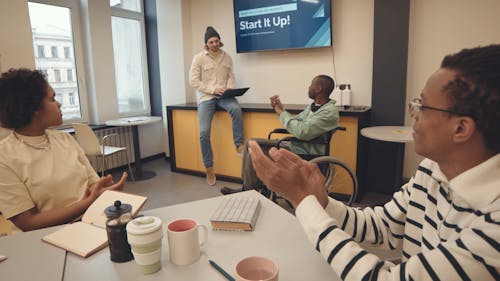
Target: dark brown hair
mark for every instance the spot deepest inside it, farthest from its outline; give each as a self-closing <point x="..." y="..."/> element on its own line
<point x="475" y="91"/>
<point x="21" y="94"/>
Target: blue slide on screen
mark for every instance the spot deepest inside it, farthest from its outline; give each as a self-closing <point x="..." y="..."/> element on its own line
<point x="281" y="24"/>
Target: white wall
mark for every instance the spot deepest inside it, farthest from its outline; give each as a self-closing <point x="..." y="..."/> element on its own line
<point x="289" y="72"/>
<point x="171" y="54"/>
<point x="438" y="28"/>
<point x="16" y="48"/>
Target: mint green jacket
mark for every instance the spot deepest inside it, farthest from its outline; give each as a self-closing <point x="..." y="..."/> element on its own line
<point x="308" y="125"/>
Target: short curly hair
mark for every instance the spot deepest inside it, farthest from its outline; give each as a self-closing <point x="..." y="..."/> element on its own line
<point x="21" y="94"/>
<point x="475" y="91"/>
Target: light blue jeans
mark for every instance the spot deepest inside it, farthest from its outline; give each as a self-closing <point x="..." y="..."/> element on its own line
<point x="206" y="112"/>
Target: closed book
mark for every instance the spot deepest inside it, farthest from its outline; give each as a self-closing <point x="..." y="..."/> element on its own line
<point x="89" y="235"/>
<point x="236" y="213"/>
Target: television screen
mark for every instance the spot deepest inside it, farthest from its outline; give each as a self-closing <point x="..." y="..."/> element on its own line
<point x="281" y="24"/>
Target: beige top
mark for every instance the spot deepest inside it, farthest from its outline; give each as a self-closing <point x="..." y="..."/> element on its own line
<point x="53" y="176"/>
<point x="208" y="73"/>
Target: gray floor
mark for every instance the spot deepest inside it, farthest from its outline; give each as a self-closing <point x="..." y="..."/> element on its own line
<point x="168" y="188"/>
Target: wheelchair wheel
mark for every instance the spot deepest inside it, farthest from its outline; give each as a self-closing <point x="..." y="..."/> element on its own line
<point x="341" y="182"/>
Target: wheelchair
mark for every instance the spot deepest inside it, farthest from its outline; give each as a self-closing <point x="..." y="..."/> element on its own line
<point x="340" y="181"/>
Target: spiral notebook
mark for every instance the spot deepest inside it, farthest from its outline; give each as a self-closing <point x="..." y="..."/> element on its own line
<point x="236" y="213"/>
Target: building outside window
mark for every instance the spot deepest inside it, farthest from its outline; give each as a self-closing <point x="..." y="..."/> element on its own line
<point x="59" y="98"/>
<point x="57" y="75"/>
<point x="129" y="46"/>
<point x="71" y="97"/>
<point x="69" y="74"/>
<point x="56" y="24"/>
<point x="40" y="51"/>
<point x="67" y="51"/>
<point x="53" y="50"/>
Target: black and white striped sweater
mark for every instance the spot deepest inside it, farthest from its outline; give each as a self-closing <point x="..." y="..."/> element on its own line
<point x="448" y="230"/>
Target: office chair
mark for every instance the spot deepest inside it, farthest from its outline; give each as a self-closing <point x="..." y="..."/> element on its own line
<point x="90" y="144"/>
<point x="340" y="183"/>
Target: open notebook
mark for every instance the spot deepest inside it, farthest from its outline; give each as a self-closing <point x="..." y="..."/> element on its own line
<point x="87" y="236"/>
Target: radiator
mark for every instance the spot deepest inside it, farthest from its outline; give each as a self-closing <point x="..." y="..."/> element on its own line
<point x="122" y="139"/>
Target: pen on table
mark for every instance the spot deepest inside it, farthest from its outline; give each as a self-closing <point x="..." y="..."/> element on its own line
<point x="222" y="271"/>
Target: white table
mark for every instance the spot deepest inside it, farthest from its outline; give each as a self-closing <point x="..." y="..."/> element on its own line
<point x="277" y="235"/>
<point x="134" y="122"/>
<point x="396" y="134"/>
<point x="28" y="258"/>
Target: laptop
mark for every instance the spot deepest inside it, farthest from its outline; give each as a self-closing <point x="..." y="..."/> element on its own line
<point x="234" y="92"/>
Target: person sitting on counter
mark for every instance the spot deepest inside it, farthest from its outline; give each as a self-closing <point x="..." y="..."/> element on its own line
<point x="446" y="218"/>
<point x="45" y="177"/>
<point x="211" y="74"/>
<point x="317" y="119"/>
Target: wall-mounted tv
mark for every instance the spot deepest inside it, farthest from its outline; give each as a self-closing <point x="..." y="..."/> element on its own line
<point x="281" y="24"/>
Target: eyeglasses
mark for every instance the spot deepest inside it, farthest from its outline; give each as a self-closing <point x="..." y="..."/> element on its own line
<point x="416" y="106"/>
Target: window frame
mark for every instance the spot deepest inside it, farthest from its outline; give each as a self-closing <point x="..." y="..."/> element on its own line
<point x="139" y="16"/>
<point x="79" y="71"/>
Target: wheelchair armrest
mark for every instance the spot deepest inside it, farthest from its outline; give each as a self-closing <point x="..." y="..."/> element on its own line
<point x="277" y="131"/>
<point x="294" y="139"/>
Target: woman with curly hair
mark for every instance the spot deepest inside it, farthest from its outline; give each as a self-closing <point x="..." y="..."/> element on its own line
<point x="45" y="177"/>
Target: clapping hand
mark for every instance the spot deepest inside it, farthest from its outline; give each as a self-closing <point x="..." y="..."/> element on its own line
<point x="276" y="104"/>
<point x="288" y="175"/>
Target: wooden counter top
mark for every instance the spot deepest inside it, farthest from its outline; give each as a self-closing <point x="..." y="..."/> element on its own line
<point x="265" y="107"/>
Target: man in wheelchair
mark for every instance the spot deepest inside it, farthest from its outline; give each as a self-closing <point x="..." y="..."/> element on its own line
<point x="315" y="122"/>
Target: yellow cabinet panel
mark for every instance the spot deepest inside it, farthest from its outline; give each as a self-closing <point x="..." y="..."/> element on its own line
<point x="255" y="125"/>
<point x="226" y="162"/>
<point x="186" y="140"/>
<point x="344" y="144"/>
<point x="259" y="124"/>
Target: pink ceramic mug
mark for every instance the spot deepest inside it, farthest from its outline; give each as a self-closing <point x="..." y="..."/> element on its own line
<point x="184" y="241"/>
<point x="257" y="268"/>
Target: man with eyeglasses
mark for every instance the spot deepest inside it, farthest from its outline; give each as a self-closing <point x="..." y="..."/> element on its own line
<point x="446" y="218"/>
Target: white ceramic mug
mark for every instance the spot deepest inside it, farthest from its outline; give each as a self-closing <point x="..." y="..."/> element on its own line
<point x="184" y="241"/>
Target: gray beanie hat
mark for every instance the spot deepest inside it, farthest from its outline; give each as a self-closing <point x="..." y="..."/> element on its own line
<point x="211" y="33"/>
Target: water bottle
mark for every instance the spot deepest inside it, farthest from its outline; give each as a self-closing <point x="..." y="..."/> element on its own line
<point x="346" y="96"/>
<point x="337" y="96"/>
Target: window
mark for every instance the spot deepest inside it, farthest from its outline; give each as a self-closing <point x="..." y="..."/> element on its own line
<point x="129" y="46"/>
<point x="57" y="77"/>
<point x="69" y="74"/>
<point x="71" y="97"/>
<point x="67" y="50"/>
<point x="40" y="51"/>
<point x="56" y="24"/>
<point x="131" y="5"/>
<point x="53" y="50"/>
